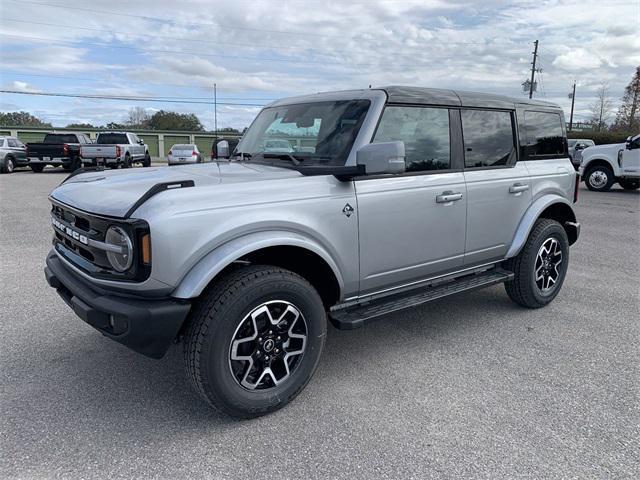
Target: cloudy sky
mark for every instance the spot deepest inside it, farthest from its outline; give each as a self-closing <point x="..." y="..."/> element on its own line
<point x="259" y="50"/>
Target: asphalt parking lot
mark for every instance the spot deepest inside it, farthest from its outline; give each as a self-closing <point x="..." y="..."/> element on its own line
<point x="470" y="386"/>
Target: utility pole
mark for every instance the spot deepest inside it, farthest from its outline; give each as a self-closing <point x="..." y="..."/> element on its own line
<point x="215" y="110"/>
<point x="572" y="96"/>
<point x="533" y="67"/>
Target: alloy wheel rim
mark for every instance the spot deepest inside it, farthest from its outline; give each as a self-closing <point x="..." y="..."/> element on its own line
<point x="268" y="345"/>
<point x="598" y="179"/>
<point x="546" y="270"/>
<point x="9" y="165"/>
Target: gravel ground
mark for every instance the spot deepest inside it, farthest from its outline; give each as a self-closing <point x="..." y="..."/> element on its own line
<point x="470" y="386"/>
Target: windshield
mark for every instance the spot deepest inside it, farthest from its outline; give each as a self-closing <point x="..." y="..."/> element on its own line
<point x="316" y="133"/>
<point x="111" y="138"/>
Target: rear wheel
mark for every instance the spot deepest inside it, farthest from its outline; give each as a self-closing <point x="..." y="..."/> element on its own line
<point x="629" y="184"/>
<point x="8" y="165"/>
<point x="74" y="164"/>
<point x="254" y="340"/>
<point x="127" y="161"/>
<point x="37" y="168"/>
<point x="599" y="178"/>
<point x="540" y="268"/>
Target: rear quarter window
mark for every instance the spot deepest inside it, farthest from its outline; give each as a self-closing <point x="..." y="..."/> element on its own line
<point x="543" y="136"/>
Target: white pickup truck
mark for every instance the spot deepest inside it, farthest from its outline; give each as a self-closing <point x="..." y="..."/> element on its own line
<point x="114" y="149"/>
<point x="603" y="165"/>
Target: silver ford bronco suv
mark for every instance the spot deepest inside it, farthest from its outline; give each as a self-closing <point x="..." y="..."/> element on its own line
<point x="343" y="205"/>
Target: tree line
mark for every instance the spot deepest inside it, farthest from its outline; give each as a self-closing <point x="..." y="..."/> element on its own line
<point x="137" y="119"/>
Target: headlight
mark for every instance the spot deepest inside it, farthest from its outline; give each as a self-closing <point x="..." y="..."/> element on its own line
<point x="120" y="261"/>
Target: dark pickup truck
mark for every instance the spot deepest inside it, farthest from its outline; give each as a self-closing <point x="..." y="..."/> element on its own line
<point x="57" y="149"/>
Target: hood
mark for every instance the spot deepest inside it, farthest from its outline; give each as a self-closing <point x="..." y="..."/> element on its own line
<point x="113" y="193"/>
<point x="608" y="146"/>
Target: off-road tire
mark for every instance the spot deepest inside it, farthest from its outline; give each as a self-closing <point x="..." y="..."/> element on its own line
<point x="523" y="289"/>
<point x="213" y="323"/>
<point x="74" y="164"/>
<point x="38" y="168"/>
<point x="8" y="165"/>
<point x="147" y="161"/>
<point x="629" y="184"/>
<point x="599" y="187"/>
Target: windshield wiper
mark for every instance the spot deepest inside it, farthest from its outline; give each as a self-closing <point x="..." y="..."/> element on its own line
<point x="283" y="156"/>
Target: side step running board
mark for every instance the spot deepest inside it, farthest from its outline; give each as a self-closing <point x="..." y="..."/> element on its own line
<point x="354" y="317"/>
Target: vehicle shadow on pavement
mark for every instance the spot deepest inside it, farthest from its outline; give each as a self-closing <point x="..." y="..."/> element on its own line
<point x="109" y="385"/>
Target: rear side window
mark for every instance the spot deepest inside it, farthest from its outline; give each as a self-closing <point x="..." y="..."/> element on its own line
<point x="544" y="136"/>
<point x="488" y="138"/>
<point x="425" y="133"/>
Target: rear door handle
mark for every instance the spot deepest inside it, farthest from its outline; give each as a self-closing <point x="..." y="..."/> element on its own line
<point x="448" y="196"/>
<point x="518" y="188"/>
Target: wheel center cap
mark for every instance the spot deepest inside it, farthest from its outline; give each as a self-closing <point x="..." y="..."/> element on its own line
<point x="268" y="345"/>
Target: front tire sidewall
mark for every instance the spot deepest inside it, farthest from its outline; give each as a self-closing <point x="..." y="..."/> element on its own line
<point x="8" y="165"/>
<point x="217" y="379"/>
<point x="599" y="187"/>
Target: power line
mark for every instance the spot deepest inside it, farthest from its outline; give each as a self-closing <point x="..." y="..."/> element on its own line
<point x="164" y="20"/>
<point x="127" y="98"/>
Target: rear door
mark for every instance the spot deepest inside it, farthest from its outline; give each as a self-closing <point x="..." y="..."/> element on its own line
<point x="18" y="149"/>
<point x="498" y="187"/>
<point x="407" y="231"/>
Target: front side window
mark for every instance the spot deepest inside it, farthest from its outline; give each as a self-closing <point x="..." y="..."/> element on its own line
<point x="12" y="143"/>
<point x="488" y="138"/>
<point x="320" y="133"/>
<point x="425" y="133"/>
<point x="544" y="136"/>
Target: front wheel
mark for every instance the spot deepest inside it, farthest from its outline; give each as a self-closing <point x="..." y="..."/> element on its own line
<point x="147" y="161"/>
<point x="629" y="184"/>
<point x="599" y="178"/>
<point x="254" y="340"/>
<point x="540" y="268"/>
<point x="8" y="165"/>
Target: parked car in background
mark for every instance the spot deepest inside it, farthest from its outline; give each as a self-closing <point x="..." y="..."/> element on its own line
<point x="603" y="165"/>
<point x="13" y="153"/>
<point x="575" y="145"/>
<point x="231" y="144"/>
<point x="410" y="195"/>
<point x="57" y="149"/>
<point x="183" y="153"/>
<point x="117" y="149"/>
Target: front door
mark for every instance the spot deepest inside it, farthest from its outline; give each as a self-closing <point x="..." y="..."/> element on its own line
<point x="412" y="226"/>
<point x="498" y="188"/>
<point x="631" y="158"/>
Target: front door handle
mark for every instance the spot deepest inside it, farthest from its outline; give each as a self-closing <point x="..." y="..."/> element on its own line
<point x="518" y="188"/>
<point x="448" y="196"/>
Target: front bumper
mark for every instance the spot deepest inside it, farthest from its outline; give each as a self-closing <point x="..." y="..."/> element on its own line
<point x="145" y="325"/>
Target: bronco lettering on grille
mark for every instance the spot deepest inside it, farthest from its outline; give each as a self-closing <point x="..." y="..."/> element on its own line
<point x="69" y="231"/>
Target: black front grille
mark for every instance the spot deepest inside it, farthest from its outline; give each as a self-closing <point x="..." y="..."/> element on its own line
<point x="74" y="231"/>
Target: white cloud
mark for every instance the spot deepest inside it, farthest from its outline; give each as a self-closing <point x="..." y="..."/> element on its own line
<point x="272" y="48"/>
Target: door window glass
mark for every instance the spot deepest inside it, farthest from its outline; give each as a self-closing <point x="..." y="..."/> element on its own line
<point x="425" y="133"/>
<point x="12" y="143"/>
<point x="488" y="138"/>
